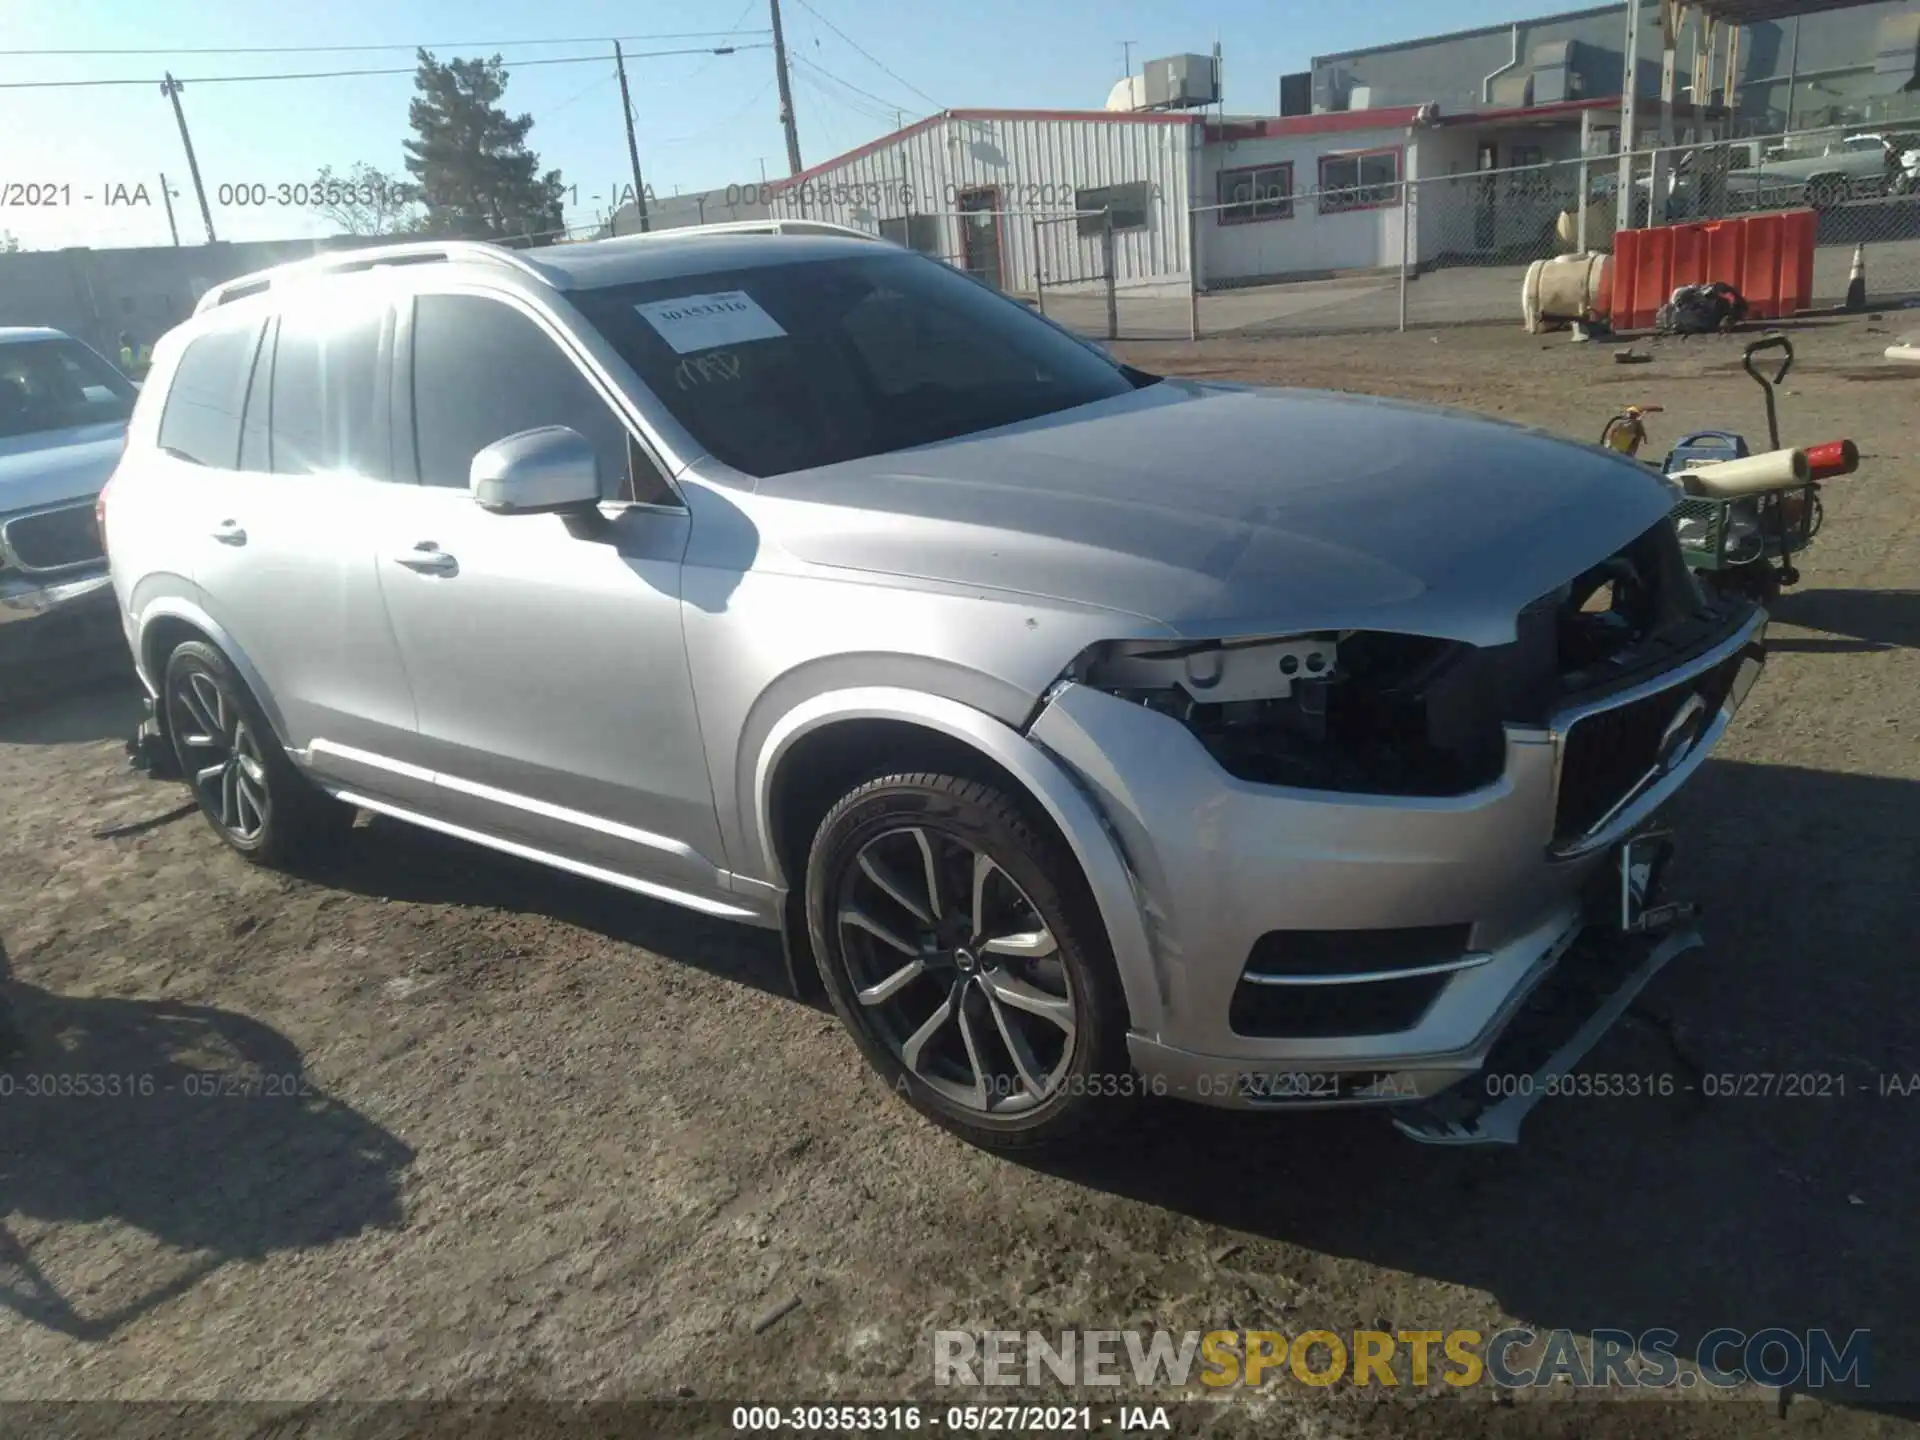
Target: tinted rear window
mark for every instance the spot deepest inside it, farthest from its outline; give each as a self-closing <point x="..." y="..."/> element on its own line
<point x="202" y="419"/>
<point x="793" y="366"/>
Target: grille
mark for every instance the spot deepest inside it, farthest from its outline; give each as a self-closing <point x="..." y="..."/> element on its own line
<point x="54" y="539"/>
<point x="1379" y="1007"/>
<point x="1608" y="753"/>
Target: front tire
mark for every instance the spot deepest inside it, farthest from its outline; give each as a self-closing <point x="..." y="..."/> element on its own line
<point x="246" y="787"/>
<point x="960" y="949"/>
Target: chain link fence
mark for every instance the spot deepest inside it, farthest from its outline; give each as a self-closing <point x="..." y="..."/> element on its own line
<point x="1383" y="252"/>
<point x="1455" y="249"/>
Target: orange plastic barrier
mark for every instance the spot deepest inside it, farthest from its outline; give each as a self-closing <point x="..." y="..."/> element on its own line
<point x="1767" y="258"/>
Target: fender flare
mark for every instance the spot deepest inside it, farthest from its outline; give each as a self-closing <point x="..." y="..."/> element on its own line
<point x="176" y="607"/>
<point x="1045" y="779"/>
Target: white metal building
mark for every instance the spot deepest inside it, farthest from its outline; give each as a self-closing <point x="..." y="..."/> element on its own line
<point x="989" y="189"/>
<point x="1257" y="199"/>
<point x="1305" y="194"/>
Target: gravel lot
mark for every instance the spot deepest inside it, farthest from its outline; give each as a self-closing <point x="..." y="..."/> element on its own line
<point x="553" y="1140"/>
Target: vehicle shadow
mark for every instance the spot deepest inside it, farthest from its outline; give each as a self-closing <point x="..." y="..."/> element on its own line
<point x="196" y="1126"/>
<point x="1688" y="1213"/>
<point x="390" y="860"/>
<point x="1868" y="619"/>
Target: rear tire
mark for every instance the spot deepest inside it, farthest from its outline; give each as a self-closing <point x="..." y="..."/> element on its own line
<point x="959" y="947"/>
<point x="248" y="790"/>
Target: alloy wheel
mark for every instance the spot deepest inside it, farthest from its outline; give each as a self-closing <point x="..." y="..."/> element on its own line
<point x="220" y="754"/>
<point x="956" y="970"/>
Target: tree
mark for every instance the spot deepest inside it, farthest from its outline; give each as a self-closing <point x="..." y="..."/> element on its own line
<point x="365" y="201"/>
<point x="469" y="160"/>
<point x="9" y="243"/>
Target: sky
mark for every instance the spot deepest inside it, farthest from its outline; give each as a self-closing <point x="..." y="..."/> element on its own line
<point x="97" y="153"/>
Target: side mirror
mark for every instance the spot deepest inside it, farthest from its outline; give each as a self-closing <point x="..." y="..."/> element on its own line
<point x="536" y="472"/>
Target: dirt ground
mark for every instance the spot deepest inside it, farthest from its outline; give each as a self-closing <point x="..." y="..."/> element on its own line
<point x="552" y="1140"/>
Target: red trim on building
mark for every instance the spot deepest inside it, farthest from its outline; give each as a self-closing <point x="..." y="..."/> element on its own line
<point x="1105" y="117"/>
<point x="1388" y="117"/>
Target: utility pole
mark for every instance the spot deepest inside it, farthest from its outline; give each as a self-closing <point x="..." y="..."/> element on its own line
<point x="167" y="195"/>
<point x="1629" y="119"/>
<point x="786" y="92"/>
<point x="170" y="88"/>
<point x="1126" y="56"/>
<point x="633" y="146"/>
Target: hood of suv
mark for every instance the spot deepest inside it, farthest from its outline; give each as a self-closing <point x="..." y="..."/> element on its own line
<point x="1217" y="509"/>
<point x="48" y="467"/>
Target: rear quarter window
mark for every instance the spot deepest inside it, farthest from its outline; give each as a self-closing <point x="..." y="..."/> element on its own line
<point x="201" y="421"/>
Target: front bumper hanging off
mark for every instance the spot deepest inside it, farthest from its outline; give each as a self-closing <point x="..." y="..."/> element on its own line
<point x="1490" y="1111"/>
<point x="1634" y="935"/>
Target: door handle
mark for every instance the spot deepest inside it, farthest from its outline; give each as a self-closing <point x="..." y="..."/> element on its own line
<point x="427" y="558"/>
<point x="229" y="532"/>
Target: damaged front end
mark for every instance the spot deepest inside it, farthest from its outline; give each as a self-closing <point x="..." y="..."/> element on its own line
<point x="1405" y="837"/>
<point x="1368" y="712"/>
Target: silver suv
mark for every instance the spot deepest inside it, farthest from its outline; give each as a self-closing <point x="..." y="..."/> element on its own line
<point x="1085" y="732"/>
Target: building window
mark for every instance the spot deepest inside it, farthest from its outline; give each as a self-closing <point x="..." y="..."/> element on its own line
<point x="1129" y="204"/>
<point x="1259" y="192"/>
<point x="1365" y="181"/>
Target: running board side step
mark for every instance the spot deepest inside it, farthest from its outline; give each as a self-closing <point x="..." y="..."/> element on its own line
<point x="1458" y="1117"/>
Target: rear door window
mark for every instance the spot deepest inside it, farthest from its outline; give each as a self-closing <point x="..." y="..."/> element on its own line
<point x="201" y="421"/>
<point x="329" y="412"/>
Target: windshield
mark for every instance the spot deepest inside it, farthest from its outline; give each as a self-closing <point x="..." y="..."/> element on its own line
<point x="58" y="384"/>
<point x="788" y="367"/>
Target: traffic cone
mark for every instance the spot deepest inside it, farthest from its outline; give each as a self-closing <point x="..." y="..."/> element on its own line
<point x="1857" y="280"/>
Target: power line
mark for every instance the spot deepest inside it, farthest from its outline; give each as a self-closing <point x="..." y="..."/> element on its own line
<point x="579" y="95"/>
<point x="342" y="74"/>
<point x="731" y="31"/>
<point x="721" y="122"/>
<point x="852" y="105"/>
<point x="885" y="104"/>
<point x="870" y="60"/>
<point x="424" y="45"/>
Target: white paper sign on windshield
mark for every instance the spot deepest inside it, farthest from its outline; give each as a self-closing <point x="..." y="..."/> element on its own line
<point x="701" y="322"/>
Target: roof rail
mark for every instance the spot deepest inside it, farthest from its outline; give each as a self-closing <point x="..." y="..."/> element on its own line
<point x="773" y="225"/>
<point x="337" y="262"/>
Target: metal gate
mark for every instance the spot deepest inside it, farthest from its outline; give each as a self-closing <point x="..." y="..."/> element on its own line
<point x="1073" y="270"/>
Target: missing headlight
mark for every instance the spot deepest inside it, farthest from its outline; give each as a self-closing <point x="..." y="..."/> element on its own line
<point x="1357" y="711"/>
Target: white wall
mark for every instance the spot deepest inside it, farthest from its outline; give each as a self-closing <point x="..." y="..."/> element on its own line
<point x="1307" y="241"/>
<point x="1037" y="164"/>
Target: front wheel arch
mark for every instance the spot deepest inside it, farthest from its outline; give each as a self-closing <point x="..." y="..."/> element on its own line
<point x="888" y="730"/>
